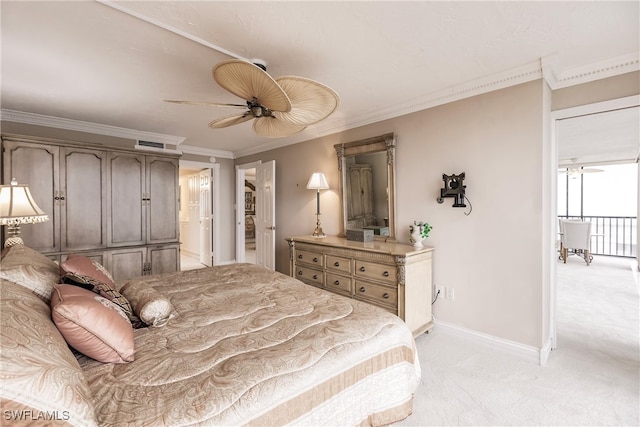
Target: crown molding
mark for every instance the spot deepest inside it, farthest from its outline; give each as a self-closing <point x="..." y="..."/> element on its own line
<point x="558" y="79"/>
<point x="200" y="151"/>
<point x="80" y="126"/>
<point x="512" y="77"/>
<point x="543" y="68"/>
<point x="546" y="67"/>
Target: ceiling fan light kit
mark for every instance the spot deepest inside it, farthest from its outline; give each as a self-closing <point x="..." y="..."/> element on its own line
<point x="281" y="107"/>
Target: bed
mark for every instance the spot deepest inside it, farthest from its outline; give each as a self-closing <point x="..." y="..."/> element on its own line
<point x="232" y="345"/>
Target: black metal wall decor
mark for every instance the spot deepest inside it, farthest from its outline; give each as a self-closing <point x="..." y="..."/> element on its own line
<point x="453" y="187"/>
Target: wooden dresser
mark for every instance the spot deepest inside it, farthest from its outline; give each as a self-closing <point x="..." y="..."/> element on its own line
<point x="394" y="276"/>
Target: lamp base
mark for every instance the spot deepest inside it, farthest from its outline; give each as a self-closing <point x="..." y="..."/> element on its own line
<point x="13" y="235"/>
<point x="318" y="233"/>
<point x="12" y="241"/>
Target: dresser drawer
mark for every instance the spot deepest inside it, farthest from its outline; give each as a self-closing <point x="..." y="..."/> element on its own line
<point x="386" y="273"/>
<point x="339" y="263"/>
<point x="339" y="284"/>
<point x="376" y="294"/>
<point x="308" y="257"/>
<point x="309" y="275"/>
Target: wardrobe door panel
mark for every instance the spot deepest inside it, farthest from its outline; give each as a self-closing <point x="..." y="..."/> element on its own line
<point x="162" y="207"/>
<point x="164" y="259"/>
<point x="127" y="263"/>
<point x="127" y="225"/>
<point x="84" y="191"/>
<point x="36" y="165"/>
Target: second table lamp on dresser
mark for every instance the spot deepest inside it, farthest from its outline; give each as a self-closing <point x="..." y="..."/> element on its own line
<point x="18" y="207"/>
<point x="318" y="182"/>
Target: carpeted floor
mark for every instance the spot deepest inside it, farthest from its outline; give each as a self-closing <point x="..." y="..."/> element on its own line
<point x="593" y="378"/>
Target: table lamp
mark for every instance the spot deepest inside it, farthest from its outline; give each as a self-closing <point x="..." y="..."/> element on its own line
<point x="18" y="207"/>
<point x="318" y="182"/>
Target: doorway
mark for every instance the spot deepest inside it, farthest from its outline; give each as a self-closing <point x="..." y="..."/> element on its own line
<point x="199" y="198"/>
<point x="255" y="213"/>
<point x="571" y="148"/>
<point x="250" y="215"/>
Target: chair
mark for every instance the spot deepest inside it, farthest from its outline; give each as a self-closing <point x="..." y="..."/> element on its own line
<point x="576" y="236"/>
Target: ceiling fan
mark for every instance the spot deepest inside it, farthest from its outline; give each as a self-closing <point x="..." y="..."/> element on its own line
<point x="281" y="107"/>
<point x="573" y="169"/>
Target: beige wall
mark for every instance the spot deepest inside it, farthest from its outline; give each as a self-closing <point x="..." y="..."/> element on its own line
<point x="492" y="258"/>
<point x="499" y="259"/>
<point x="597" y="91"/>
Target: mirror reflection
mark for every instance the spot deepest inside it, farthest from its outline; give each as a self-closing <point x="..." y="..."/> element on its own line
<point x="367" y="185"/>
<point x="367" y="193"/>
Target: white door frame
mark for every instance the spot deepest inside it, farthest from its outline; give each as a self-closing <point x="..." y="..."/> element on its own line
<point x="215" y="201"/>
<point x="240" y="177"/>
<point x="599" y="107"/>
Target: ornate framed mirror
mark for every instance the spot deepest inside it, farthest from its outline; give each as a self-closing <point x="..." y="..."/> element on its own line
<point x="367" y="185"/>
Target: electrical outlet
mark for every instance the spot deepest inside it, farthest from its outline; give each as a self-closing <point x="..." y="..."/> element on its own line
<point x="449" y="294"/>
<point x="441" y="290"/>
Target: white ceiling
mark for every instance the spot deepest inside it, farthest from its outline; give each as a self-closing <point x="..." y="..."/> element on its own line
<point x="606" y="137"/>
<point x="92" y="62"/>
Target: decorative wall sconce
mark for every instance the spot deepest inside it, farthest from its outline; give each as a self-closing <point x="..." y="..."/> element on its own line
<point x="453" y="186"/>
<point x="318" y="182"/>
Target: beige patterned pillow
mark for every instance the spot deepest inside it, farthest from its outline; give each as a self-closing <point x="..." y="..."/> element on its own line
<point x="31" y="269"/>
<point x="151" y="306"/>
<point x="38" y="371"/>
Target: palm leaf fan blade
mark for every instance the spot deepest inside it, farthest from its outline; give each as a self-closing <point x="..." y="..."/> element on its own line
<point x="311" y="101"/>
<point x="271" y="127"/>
<point x="224" y="122"/>
<point x="251" y="83"/>
<point x="205" y="103"/>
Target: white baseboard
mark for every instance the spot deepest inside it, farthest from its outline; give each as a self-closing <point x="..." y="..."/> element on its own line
<point x="527" y="352"/>
<point x="545" y="352"/>
<point x="189" y="253"/>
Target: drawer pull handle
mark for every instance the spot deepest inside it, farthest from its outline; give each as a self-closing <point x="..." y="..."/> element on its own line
<point x="362" y="268"/>
<point x="300" y="273"/>
<point x="362" y="289"/>
<point x="315" y="259"/>
<point x="337" y="264"/>
<point x="337" y="283"/>
<point x="299" y="256"/>
<point x="385" y="274"/>
<point x="385" y="296"/>
<point x="315" y="277"/>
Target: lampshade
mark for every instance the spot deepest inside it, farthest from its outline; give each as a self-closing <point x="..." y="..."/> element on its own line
<point x="17" y="205"/>
<point x="317" y="182"/>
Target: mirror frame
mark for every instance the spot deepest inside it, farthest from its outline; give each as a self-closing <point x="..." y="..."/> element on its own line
<point x="381" y="143"/>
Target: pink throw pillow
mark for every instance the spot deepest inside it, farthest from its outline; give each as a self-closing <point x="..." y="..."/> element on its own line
<point x="80" y="264"/>
<point x="92" y="324"/>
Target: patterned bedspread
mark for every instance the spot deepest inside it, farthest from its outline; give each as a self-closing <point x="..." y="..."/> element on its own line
<point x="250" y="346"/>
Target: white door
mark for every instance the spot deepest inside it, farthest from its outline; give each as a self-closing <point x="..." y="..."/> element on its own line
<point x="205" y="217"/>
<point x="266" y="214"/>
